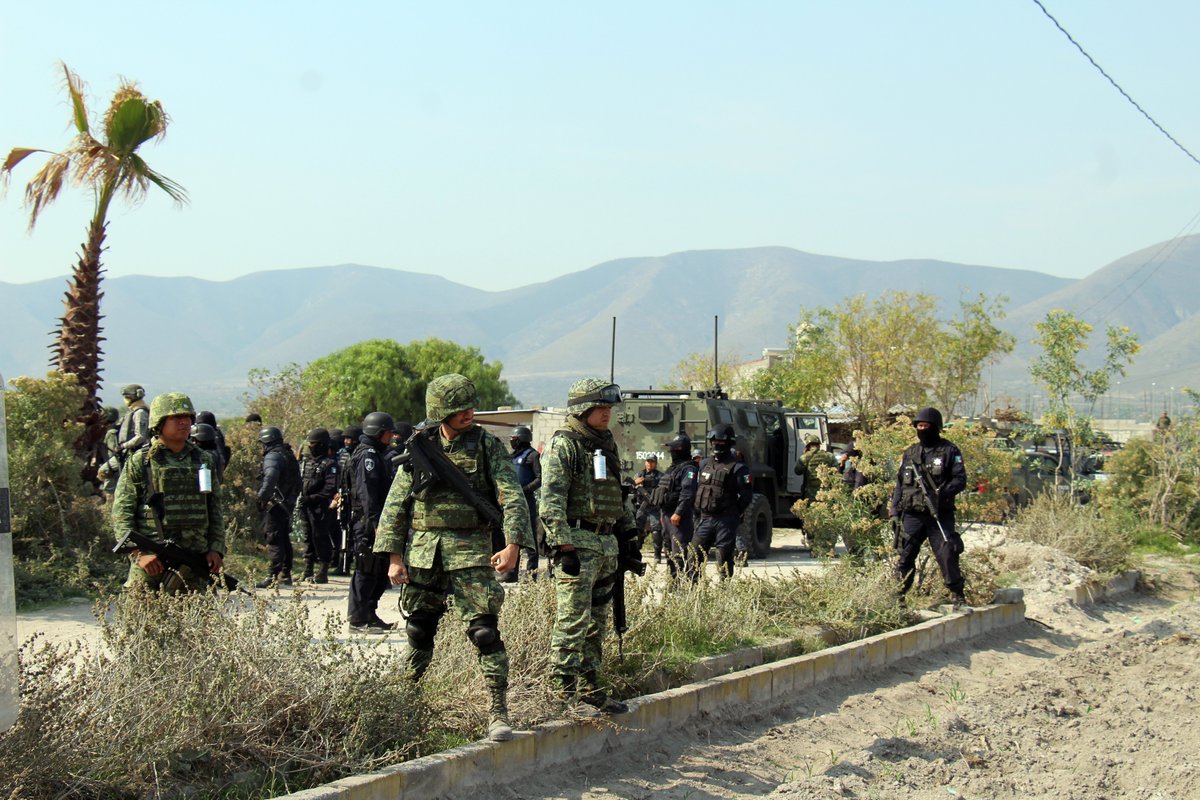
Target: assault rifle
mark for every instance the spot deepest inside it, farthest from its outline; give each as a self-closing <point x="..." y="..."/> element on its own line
<point x="173" y="557"/>
<point x="431" y="466"/>
<point x="625" y="563"/>
<point x="930" y="493"/>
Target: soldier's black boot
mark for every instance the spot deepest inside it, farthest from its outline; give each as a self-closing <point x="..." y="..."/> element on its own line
<point x="308" y="569"/>
<point x="597" y="698"/>
<point x="322" y="573"/>
<point x="959" y="603"/>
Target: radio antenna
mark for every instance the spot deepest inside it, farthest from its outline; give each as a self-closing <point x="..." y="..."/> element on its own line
<point x="716" y="379"/>
<point x="612" y="355"/>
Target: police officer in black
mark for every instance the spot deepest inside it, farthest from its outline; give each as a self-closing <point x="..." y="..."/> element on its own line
<point x="318" y="486"/>
<point x="373" y="471"/>
<point x="723" y="492"/>
<point x="205" y="437"/>
<point x="343" y="546"/>
<point x="647" y="516"/>
<point x="939" y="464"/>
<point x="209" y="418"/>
<point x="527" y="462"/>
<point x="675" y="497"/>
<point x="278" y="490"/>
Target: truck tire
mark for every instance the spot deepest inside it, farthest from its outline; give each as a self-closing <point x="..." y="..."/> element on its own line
<point x="761" y="528"/>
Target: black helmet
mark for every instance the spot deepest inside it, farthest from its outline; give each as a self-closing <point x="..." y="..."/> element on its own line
<point x="521" y="433"/>
<point x="680" y="443"/>
<point x="375" y="423"/>
<point x="930" y="415"/>
<point x="335" y="435"/>
<point x="204" y="434"/>
<point x="254" y="416"/>
<point x="723" y="433"/>
<point x="319" y="435"/>
<point x="270" y="435"/>
<point x="352" y="433"/>
<point x="207" y="417"/>
<point x="404" y="431"/>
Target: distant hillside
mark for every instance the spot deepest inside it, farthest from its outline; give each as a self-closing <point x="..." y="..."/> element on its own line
<point x="203" y="336"/>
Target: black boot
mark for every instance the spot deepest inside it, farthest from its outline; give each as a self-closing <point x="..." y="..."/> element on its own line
<point x="308" y="569"/>
<point x="598" y="699"/>
<point x="322" y="573"/>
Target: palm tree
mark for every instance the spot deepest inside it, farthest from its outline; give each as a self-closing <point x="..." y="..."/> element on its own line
<point x="109" y="167"/>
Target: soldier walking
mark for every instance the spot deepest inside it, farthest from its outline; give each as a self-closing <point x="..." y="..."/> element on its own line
<point x="278" y="490"/>
<point x="587" y="524"/>
<point x="160" y="494"/>
<point x="931" y="474"/>
<point x="437" y="541"/>
<point x="723" y="492"/>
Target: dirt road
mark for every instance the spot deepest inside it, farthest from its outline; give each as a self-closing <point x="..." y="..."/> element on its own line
<point x="1103" y="704"/>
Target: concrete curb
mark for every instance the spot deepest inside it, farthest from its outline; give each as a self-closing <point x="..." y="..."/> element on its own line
<point x="563" y="742"/>
<point x="1089" y="593"/>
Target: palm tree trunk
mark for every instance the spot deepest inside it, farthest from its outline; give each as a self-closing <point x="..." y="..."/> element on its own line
<point x="76" y="349"/>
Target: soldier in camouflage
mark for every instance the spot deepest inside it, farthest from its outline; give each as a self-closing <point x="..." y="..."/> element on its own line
<point x="170" y="465"/>
<point x="807" y="466"/>
<point x="134" y="432"/>
<point x="587" y="525"/>
<point x="108" y="456"/>
<point x="437" y="541"/>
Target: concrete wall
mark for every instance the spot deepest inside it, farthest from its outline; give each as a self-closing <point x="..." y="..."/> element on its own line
<point x="8" y="611"/>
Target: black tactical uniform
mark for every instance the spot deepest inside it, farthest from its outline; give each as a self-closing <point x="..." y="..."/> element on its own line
<point x="277" y="494"/>
<point x="941" y="463"/>
<point x="318" y="485"/>
<point x="527" y="463"/>
<point x="723" y="492"/>
<point x="675" y="496"/>
<point x="647" y="515"/>
<point x="373" y="471"/>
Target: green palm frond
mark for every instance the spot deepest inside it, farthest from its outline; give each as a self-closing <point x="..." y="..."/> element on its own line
<point x="140" y="168"/>
<point x="78" y="108"/>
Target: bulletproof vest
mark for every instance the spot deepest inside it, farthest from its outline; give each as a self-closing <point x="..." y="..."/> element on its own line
<point x="185" y="508"/>
<point x="588" y="498"/>
<point x="312" y="474"/>
<point x="521" y="464"/>
<point x="935" y="462"/>
<point x="127" y="429"/>
<point x="666" y="493"/>
<point x="345" y="472"/>
<point x="715" y="490"/>
<point x="289" y="473"/>
<point x="356" y="457"/>
<point x="439" y="506"/>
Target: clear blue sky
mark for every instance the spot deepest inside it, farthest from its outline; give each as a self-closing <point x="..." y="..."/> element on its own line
<point x="504" y="144"/>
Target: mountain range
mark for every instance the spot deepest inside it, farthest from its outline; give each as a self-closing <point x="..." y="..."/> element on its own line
<point x="203" y="336"/>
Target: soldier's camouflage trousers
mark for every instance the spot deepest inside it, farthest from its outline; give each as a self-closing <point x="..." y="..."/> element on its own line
<point x="476" y="593"/>
<point x="584" y="608"/>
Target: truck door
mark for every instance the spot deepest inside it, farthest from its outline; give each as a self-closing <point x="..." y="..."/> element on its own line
<point x="799" y="424"/>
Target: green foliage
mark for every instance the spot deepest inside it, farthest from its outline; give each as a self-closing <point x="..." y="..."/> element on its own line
<point x="241" y="482"/>
<point x="49" y="498"/>
<point x="695" y="371"/>
<point x="871" y="357"/>
<point x="1159" y="479"/>
<point x="384" y="375"/>
<point x="853" y="515"/>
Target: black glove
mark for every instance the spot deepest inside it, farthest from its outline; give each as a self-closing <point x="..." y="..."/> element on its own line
<point x="568" y="560"/>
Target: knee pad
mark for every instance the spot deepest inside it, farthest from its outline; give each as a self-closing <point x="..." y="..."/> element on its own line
<point x="421" y="627"/>
<point x="484" y="633"/>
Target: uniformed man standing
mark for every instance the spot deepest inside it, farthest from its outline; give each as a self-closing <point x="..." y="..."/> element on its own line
<point x="723" y="492"/>
<point x="646" y="515"/>
<point x="204" y="436"/>
<point x="676" y="494"/>
<point x="587" y="524"/>
<point x="278" y="490"/>
<point x="527" y="462"/>
<point x="318" y="485"/>
<point x="806" y="467"/>
<point x="108" y="454"/>
<point x="163" y="480"/>
<point x="939" y="464"/>
<point x="134" y="432"/>
<point x="372" y="477"/>
<point x="437" y="541"/>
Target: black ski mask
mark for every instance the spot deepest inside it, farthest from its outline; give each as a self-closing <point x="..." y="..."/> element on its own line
<point x="929" y="436"/>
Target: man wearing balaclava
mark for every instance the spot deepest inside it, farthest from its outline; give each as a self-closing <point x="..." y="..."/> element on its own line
<point x="931" y="474"/>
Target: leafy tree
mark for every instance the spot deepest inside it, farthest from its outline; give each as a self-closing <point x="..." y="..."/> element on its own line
<point x="695" y="371"/>
<point x="1158" y="479"/>
<point x="805" y="377"/>
<point x="1059" y="369"/>
<point x="109" y="167"/>
<point x="384" y="375"/>
<point x="963" y="347"/>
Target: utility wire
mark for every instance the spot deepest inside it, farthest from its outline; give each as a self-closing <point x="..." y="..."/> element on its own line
<point x="1116" y="85"/>
<point x="1173" y="243"/>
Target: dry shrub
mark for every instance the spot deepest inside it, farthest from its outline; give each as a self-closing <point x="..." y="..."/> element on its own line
<point x="185" y="698"/>
<point x="1080" y="531"/>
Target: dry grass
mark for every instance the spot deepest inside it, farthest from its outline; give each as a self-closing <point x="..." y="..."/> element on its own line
<point x="1080" y="531"/>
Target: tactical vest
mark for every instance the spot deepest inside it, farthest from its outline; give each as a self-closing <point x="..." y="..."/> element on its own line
<point x="312" y="474"/>
<point x="666" y="493"/>
<point x="439" y="506"/>
<point x="936" y="463"/>
<point x="185" y="507"/>
<point x="588" y="498"/>
<point x="715" y="490"/>
<point x="127" y="429"/>
<point x="521" y="464"/>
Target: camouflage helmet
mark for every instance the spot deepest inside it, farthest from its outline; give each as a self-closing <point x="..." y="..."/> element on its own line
<point x="588" y="393"/>
<point x="110" y="414"/>
<point x="449" y="394"/>
<point x="811" y="438"/>
<point x="170" y="404"/>
<point x="132" y="391"/>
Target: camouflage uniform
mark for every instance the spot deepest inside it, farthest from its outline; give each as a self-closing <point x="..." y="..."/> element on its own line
<point x="108" y="457"/>
<point x="191" y="519"/>
<point x="577" y="509"/>
<point x="806" y="465"/>
<point x="447" y="545"/>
